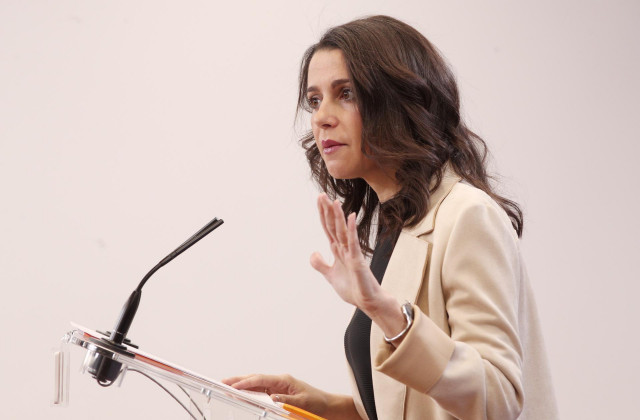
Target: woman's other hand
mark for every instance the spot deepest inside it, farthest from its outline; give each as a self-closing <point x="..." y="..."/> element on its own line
<point x="289" y="390"/>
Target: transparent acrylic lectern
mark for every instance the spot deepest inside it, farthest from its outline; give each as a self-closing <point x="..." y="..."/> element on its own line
<point x="206" y="399"/>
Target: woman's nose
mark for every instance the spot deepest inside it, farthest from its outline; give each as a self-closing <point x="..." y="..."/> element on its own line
<point x="325" y="115"/>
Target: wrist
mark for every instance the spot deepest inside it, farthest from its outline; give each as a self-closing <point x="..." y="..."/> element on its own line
<point x="340" y="407"/>
<point x="388" y="315"/>
<point x="379" y="307"/>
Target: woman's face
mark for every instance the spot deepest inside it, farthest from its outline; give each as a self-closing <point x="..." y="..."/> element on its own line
<point x="335" y="119"/>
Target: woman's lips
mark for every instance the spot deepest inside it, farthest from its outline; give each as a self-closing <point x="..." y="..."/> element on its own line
<point x="330" y="146"/>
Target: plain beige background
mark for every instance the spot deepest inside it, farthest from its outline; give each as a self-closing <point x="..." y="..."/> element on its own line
<point x="126" y="125"/>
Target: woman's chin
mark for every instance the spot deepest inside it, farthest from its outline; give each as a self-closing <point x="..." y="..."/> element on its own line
<point x="341" y="174"/>
<point x="338" y="171"/>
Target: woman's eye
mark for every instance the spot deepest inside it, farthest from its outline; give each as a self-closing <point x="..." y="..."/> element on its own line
<point x="347" y="94"/>
<point x="314" y="102"/>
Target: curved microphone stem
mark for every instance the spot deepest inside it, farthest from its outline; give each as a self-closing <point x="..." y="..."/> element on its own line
<point x="131" y="306"/>
<point x="107" y="371"/>
<point x="185" y="245"/>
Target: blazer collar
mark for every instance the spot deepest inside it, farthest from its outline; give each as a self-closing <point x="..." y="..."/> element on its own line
<point x="449" y="179"/>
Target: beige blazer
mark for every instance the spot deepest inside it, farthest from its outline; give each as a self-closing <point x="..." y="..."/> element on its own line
<point x="475" y="350"/>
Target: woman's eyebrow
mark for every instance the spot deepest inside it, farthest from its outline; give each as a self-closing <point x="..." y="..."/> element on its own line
<point x="339" y="82"/>
<point x="333" y="85"/>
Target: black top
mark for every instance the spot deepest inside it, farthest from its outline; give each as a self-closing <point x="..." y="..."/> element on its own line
<point x="356" y="337"/>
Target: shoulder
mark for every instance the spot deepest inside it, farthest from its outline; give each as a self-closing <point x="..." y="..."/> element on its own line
<point x="464" y="196"/>
<point x="454" y="200"/>
<point x="474" y="243"/>
<point x="470" y="206"/>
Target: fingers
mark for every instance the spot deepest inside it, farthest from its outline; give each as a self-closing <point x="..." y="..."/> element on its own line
<point x="283" y="388"/>
<point x="340" y="225"/>
<point x="343" y="238"/>
<point x="262" y="383"/>
<point x="294" y="400"/>
<point x="332" y="219"/>
<point x="326" y="210"/>
<point x="346" y="232"/>
<point x="333" y="223"/>
<point x="321" y="212"/>
<point x="232" y="380"/>
<point x="352" y="237"/>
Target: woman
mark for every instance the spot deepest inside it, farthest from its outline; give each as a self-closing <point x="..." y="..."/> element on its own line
<point x="451" y="331"/>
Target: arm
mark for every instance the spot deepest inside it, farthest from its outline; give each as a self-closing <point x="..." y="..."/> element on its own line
<point x="476" y="372"/>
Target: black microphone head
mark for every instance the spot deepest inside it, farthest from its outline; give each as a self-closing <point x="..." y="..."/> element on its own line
<point x="103" y="368"/>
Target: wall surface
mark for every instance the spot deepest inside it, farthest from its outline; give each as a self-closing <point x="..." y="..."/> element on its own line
<point x="126" y="126"/>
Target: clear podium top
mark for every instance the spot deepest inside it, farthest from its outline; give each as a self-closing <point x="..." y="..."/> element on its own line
<point x="122" y="359"/>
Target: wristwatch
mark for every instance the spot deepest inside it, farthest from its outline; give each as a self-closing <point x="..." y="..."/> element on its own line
<point x="407" y="310"/>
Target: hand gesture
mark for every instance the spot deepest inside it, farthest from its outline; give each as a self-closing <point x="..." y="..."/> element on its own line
<point x="349" y="275"/>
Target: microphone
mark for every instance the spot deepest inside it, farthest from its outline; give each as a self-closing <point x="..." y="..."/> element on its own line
<point x="106" y="370"/>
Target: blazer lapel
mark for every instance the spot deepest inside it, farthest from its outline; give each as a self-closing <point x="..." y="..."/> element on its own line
<point x="403" y="279"/>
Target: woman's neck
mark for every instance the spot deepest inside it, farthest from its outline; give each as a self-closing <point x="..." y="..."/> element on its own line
<point x="385" y="185"/>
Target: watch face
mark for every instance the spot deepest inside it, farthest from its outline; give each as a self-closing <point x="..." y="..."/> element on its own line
<point x="407" y="308"/>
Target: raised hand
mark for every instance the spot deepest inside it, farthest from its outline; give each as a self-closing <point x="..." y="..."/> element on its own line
<point x="349" y="275"/>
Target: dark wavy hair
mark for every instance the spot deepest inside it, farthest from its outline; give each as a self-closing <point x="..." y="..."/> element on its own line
<point x="410" y="108"/>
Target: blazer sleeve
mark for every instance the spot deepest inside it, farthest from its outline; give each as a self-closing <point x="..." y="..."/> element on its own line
<point x="476" y="373"/>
